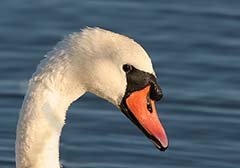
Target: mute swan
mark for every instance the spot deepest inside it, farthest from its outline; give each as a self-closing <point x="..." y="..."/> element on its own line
<point x="110" y="65"/>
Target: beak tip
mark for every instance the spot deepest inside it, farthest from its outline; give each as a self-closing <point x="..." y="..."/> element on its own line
<point x="163" y="148"/>
<point x="160" y="146"/>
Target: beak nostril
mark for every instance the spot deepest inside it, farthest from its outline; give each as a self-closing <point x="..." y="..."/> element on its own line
<point x="149" y="106"/>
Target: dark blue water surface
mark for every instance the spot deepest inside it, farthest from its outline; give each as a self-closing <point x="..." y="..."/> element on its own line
<point x="195" y="48"/>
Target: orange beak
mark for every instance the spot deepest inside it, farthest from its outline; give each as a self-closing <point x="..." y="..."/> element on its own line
<point x="142" y="111"/>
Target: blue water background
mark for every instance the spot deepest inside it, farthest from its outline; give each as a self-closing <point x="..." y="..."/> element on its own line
<point x="195" y="48"/>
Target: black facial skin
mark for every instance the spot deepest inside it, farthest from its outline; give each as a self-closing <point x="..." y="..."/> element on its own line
<point x="137" y="80"/>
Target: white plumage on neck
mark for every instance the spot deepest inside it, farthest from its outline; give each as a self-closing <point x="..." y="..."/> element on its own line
<point x="51" y="91"/>
<point x="87" y="61"/>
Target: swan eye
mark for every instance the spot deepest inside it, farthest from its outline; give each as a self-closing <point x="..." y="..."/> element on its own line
<point x="127" y="68"/>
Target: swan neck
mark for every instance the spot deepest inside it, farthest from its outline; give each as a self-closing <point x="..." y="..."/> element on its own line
<point x="41" y="120"/>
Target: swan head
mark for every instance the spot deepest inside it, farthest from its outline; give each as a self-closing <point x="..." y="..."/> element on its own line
<point x="118" y="69"/>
